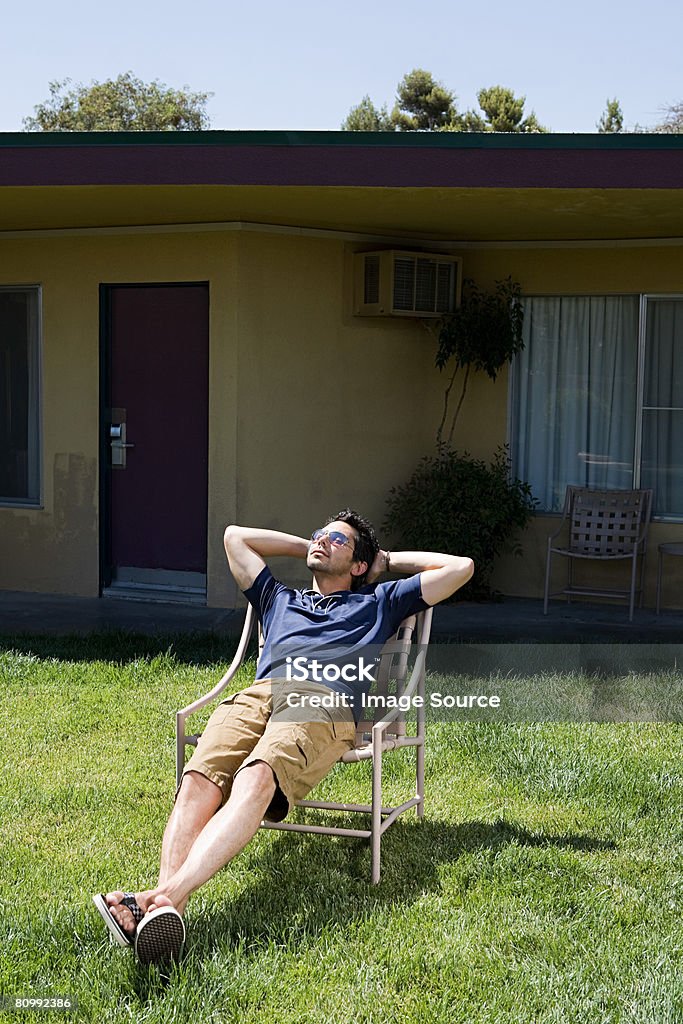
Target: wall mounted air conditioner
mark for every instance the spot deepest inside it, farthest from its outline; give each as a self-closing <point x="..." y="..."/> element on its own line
<point x="397" y="283"/>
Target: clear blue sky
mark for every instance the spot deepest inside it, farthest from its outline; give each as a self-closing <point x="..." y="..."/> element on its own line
<point x="302" y="65"/>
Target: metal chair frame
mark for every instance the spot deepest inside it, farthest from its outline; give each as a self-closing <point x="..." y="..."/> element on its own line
<point x="603" y="526"/>
<point x="374" y="737"/>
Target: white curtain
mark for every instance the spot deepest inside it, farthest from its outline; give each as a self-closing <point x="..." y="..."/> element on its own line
<point x="574" y="395"/>
<point x="662" y="449"/>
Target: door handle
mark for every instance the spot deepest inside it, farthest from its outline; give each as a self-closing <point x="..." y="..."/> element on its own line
<point x="118" y="445"/>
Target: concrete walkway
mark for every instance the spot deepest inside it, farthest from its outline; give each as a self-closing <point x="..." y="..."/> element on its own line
<point x="512" y="620"/>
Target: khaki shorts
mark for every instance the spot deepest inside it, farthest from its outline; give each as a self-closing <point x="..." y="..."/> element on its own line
<point x="246" y="728"/>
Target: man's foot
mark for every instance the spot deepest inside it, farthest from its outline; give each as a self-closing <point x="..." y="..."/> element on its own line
<point x="160" y="937"/>
<point x="115" y="921"/>
<point x="122" y="912"/>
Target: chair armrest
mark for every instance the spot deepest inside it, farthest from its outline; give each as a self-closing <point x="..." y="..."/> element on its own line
<point x="415" y="677"/>
<point x="425" y="624"/>
<point x="229" y="674"/>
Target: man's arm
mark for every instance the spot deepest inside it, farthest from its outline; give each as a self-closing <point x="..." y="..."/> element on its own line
<point x="247" y="549"/>
<point x="440" y="575"/>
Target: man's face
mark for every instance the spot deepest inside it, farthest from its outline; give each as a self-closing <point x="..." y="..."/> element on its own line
<point x="328" y="554"/>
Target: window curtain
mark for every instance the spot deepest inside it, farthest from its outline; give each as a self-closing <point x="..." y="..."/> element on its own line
<point x="662" y="451"/>
<point x="574" y="395"/>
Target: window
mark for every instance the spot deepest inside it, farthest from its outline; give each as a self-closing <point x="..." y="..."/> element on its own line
<point x="661" y="425"/>
<point x="19" y="396"/>
<point x="597" y="397"/>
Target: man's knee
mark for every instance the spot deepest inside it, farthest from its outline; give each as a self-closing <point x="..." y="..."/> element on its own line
<point x="196" y="787"/>
<point x="255" y="779"/>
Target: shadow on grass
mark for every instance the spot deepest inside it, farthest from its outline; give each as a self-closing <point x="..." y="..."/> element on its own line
<point x="305" y="883"/>
<point x="122" y="647"/>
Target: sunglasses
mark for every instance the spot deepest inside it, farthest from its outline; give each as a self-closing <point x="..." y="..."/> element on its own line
<point x="335" y="537"/>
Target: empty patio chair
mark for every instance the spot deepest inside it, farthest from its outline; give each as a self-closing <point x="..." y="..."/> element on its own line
<point x="375" y="736"/>
<point x="602" y="526"/>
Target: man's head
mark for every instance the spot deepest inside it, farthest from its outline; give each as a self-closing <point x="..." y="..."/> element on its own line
<point x="346" y="545"/>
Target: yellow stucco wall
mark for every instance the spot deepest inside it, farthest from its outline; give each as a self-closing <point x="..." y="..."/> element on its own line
<point x="333" y="409"/>
<point x="310" y="407"/>
<point x="54" y="549"/>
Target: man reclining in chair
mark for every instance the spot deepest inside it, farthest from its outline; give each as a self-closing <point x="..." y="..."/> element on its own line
<point x="250" y="764"/>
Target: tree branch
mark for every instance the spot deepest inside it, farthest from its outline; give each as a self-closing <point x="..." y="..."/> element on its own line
<point x="445" y="405"/>
<point x="462" y="399"/>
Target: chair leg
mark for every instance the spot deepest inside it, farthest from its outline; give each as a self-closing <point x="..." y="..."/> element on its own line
<point x="547" y="581"/>
<point x="420" y="779"/>
<point x="570" y="578"/>
<point x="376" y="826"/>
<point x="659" y="582"/>
<point x="179" y="753"/>
<point x="634" y="570"/>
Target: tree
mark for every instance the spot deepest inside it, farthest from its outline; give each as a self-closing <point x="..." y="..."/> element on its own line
<point x="612" y="120"/>
<point x="425" y="105"/>
<point x="503" y="112"/>
<point x="367" y="118"/>
<point x="453" y="502"/>
<point x="673" y="120"/>
<point x="483" y="334"/>
<point x="117" y="105"/>
<point x="422" y="104"/>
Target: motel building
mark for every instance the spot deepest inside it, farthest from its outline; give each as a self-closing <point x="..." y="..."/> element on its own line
<point x="214" y="327"/>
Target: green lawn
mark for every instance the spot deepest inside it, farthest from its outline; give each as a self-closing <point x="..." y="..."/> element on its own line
<point x="544" y="884"/>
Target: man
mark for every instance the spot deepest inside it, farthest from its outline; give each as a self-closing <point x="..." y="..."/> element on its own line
<point x="252" y="762"/>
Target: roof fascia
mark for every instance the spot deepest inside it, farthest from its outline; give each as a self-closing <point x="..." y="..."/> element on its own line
<point x="384" y="140"/>
<point x="439" y="244"/>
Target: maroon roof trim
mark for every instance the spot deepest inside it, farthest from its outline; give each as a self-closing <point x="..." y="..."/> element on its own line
<point x="341" y="166"/>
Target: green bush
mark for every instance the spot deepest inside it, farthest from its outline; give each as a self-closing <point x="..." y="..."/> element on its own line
<point x="460" y="505"/>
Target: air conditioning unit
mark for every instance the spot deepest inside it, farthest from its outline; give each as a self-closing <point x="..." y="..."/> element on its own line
<point x="397" y="283"/>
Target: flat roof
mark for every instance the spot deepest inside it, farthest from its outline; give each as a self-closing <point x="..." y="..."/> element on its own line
<point x="450" y="185"/>
<point x="370" y="159"/>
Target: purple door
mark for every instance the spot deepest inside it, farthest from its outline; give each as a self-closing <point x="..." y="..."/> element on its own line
<point x="158" y="429"/>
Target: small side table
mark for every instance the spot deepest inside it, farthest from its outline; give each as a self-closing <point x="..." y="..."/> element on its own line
<point x="665" y="549"/>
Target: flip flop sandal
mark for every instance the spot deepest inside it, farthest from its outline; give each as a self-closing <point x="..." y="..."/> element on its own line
<point x="160" y="936"/>
<point x="120" y="936"/>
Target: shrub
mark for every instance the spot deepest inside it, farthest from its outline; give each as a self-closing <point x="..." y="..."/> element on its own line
<point x="462" y="506"/>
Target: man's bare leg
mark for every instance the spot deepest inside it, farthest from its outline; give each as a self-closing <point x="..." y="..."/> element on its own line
<point x="222" y="837"/>
<point x="197" y="801"/>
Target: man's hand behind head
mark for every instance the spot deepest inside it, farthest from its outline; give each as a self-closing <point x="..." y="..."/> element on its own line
<point x="379" y="565"/>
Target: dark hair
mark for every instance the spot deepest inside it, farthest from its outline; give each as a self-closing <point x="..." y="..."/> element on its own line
<point x="367" y="545"/>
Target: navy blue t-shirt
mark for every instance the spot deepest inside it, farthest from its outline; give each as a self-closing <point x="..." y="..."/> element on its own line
<point x="336" y="627"/>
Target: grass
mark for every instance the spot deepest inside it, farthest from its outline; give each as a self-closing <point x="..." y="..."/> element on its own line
<point x="543" y="885"/>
